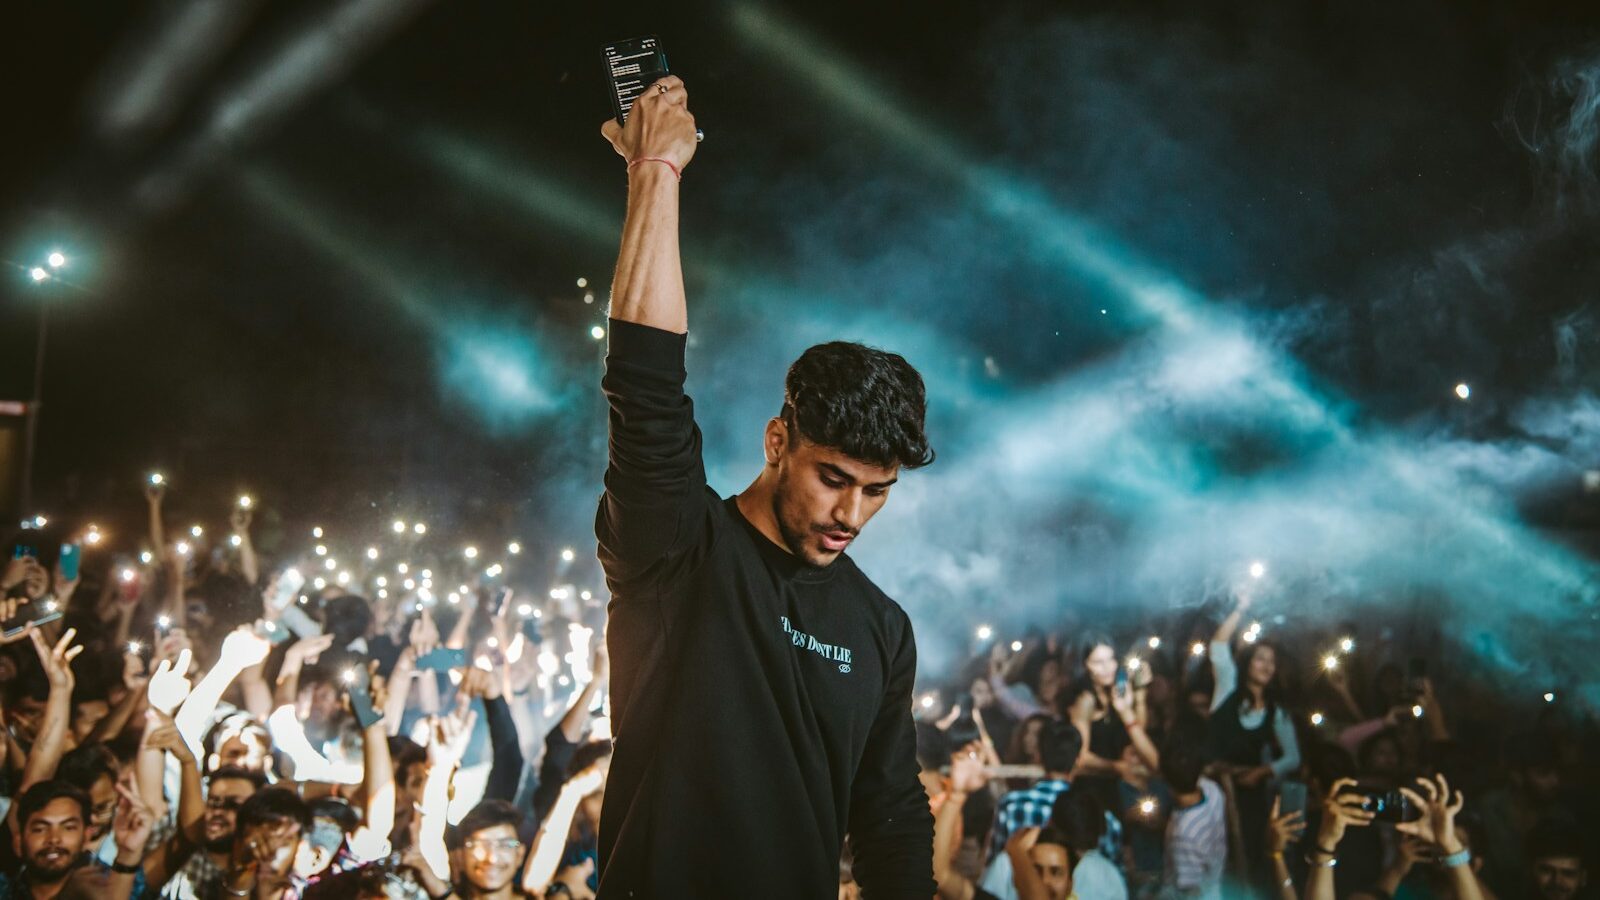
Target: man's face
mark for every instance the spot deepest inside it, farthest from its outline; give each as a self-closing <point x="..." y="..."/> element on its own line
<point x="413" y="779"/>
<point x="86" y="715"/>
<point x="102" y="808"/>
<point x="1559" y="877"/>
<point x="490" y="856"/>
<point x="823" y="498"/>
<point x="24" y="715"/>
<point x="52" y="838"/>
<point x="247" y="750"/>
<point x="1054" y="868"/>
<point x="224" y="796"/>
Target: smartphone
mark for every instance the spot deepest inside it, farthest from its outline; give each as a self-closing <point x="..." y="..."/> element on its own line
<point x="1291" y="797"/>
<point x="23" y="551"/>
<point x="497" y="604"/>
<point x="271" y="632"/>
<point x="356" y="682"/>
<point x="1385" y="804"/>
<point x="20" y="624"/>
<point x="631" y="67"/>
<point x="288" y="586"/>
<point x="1121" y="686"/>
<point x="441" y="659"/>
<point x="71" y="555"/>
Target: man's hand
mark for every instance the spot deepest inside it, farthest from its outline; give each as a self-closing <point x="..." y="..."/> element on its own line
<point x="1340" y="810"/>
<point x="240" y="520"/>
<point x="131" y="826"/>
<point x="306" y="651"/>
<point x="1438" y="823"/>
<point x="966" y="770"/>
<point x="169" y="686"/>
<point x="1284" y="830"/>
<point x="166" y="737"/>
<point x="660" y="126"/>
<point x="57" y="660"/>
<point x="243" y="648"/>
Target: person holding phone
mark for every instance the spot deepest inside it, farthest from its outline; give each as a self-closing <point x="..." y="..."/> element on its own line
<point x="1105" y="710"/>
<point x="761" y="683"/>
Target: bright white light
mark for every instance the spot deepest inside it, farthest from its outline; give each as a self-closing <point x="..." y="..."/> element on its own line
<point x="383" y="593"/>
<point x="38" y="273"/>
<point x="1258" y="569"/>
<point x="348" y="676"/>
<point x="453" y="597"/>
<point x="1330" y="662"/>
<point x="381" y="581"/>
<point x="321" y="550"/>
<point x="372" y="553"/>
<point x="1416" y="711"/>
<point x="583" y="282"/>
<point x="525" y="610"/>
<point x="330" y="564"/>
<point x="427" y="573"/>
<point x="182" y="548"/>
<point x="597" y="332"/>
<point x="41" y="521"/>
<point x="1016" y="646"/>
<point x="402" y="568"/>
<point x="51" y="606"/>
<point x="1197" y="649"/>
<point x="128" y="575"/>
<point x="927" y="701"/>
<point x="1250" y="636"/>
<point x="236" y="540"/>
<point x="1134" y="663"/>
<point x="419" y="528"/>
<point x="135" y="647"/>
<point x="320" y="583"/>
<point x="1464" y="390"/>
<point x="146" y="557"/>
<point x="470" y="553"/>
<point x="164" y="621"/>
<point x="568" y="555"/>
<point x="1147" y="806"/>
<point x="93" y="537"/>
<point x="1316" y="718"/>
<point x="197" y="531"/>
<point x="410" y="585"/>
<point x="344" y="577"/>
<point x="586" y="596"/>
<point x="514" y="548"/>
<point x="1347" y="645"/>
<point x="1549" y="696"/>
<point x="1154" y="642"/>
<point x="246" y="501"/>
<point x="399" y="527"/>
<point x="56" y="259"/>
<point x="494" y="570"/>
<point x="317" y="532"/>
<point x="984" y="632"/>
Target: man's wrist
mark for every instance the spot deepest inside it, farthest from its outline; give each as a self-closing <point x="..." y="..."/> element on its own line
<point x="652" y="173"/>
<point x="126" y="862"/>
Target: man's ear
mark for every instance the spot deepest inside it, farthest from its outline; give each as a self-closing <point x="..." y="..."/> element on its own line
<point x="775" y="441"/>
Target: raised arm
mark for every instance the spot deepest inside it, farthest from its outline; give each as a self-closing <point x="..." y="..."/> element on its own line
<point x="658" y="141"/>
<point x="966" y="777"/>
<point x="241" y="649"/>
<point x="249" y="567"/>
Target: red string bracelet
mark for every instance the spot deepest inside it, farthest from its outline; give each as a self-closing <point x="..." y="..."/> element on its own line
<point x="665" y="162"/>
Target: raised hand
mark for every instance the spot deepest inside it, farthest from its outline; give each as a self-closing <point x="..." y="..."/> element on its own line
<point x="586" y="782"/>
<point x="307" y="651"/>
<point x="57" y="660"/>
<point x="134" y="675"/>
<point x="169" y="684"/>
<point x="967" y="775"/>
<point x="1340" y="810"/>
<point x="1439" y="807"/>
<point x="131" y="826"/>
<point x="167" y="737"/>
<point x="10" y="609"/>
<point x="243" y="648"/>
<point x="1122" y="702"/>
<point x="240" y="520"/>
<point x="659" y="126"/>
<point x="1284" y="829"/>
<point x="424" y="634"/>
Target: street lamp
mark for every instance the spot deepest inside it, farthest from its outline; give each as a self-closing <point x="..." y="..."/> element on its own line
<point x="39" y="274"/>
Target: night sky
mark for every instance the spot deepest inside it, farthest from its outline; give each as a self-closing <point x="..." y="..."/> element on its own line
<point x="364" y="300"/>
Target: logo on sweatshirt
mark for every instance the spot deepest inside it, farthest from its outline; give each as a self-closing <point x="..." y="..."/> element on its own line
<point x="830" y="652"/>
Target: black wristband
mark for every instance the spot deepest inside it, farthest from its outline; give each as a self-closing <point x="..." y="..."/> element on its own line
<point x="121" y="869"/>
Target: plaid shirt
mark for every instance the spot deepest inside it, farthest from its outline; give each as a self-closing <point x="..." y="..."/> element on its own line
<point x="1027" y="808"/>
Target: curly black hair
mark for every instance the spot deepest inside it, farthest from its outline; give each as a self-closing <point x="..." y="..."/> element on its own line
<point x="866" y="403"/>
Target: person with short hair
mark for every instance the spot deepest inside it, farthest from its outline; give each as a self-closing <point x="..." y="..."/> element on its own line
<point x="1557" y="868"/>
<point x="486" y="852"/>
<point x="760" y="680"/>
<point x="270" y="825"/>
<point x="1197" y="830"/>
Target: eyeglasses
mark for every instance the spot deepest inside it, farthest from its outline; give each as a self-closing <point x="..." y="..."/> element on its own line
<point x="231" y="804"/>
<point x="506" y="846"/>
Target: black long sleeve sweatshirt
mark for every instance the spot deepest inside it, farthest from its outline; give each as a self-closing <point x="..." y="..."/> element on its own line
<point x="761" y="707"/>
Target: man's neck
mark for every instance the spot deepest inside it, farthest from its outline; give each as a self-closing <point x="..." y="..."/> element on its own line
<point x="42" y="890"/>
<point x="505" y="893"/>
<point x="755" y="504"/>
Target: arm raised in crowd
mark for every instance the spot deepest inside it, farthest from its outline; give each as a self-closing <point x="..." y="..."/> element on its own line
<point x="241" y="649"/>
<point x="1437" y="826"/>
<point x="1341" y="808"/>
<point x="505" y="767"/>
<point x="249" y="566"/>
<point x="552" y="837"/>
<point x="164" y="861"/>
<point x="1223" y="670"/>
<point x="966" y="778"/>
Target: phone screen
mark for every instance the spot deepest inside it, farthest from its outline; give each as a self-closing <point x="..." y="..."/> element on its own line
<point x="71" y="555"/>
<point x="632" y="66"/>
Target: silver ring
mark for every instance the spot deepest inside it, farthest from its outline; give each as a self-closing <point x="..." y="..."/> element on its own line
<point x="662" y="88"/>
<point x="699" y="135"/>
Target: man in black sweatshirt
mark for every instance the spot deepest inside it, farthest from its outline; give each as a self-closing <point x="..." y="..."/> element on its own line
<point x="761" y="684"/>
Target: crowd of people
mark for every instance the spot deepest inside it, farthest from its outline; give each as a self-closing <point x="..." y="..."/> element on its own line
<point x="203" y="722"/>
